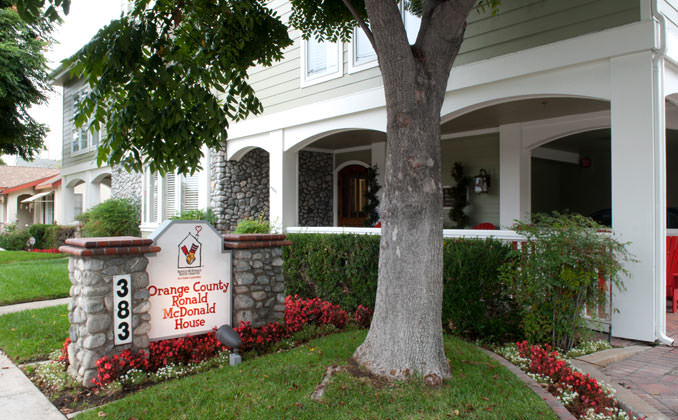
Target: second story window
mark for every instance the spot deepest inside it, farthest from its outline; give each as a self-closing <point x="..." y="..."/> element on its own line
<point x="83" y="139"/>
<point x="321" y="61"/>
<point x="363" y="55"/>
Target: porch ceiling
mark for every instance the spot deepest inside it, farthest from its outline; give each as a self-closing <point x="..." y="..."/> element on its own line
<point x="520" y="111"/>
<point x="349" y="139"/>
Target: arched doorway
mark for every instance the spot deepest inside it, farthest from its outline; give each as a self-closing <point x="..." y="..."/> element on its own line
<point x="351" y="196"/>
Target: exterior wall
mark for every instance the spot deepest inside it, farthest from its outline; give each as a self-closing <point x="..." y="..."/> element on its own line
<point x="475" y="153"/>
<point x="68" y="159"/>
<point x="240" y="189"/>
<point x="518" y="25"/>
<point x="126" y="184"/>
<point x="315" y="188"/>
<point x="361" y="155"/>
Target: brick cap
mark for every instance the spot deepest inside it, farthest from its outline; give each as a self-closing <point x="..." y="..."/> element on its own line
<point x="240" y="237"/>
<point x="114" y="245"/>
<point x="110" y="241"/>
<point x="108" y="251"/>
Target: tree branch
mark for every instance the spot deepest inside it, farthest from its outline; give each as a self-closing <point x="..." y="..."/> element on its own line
<point x="361" y="22"/>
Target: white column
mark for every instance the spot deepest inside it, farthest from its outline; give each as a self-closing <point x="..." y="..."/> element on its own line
<point x="515" y="166"/>
<point x="91" y="198"/>
<point x="283" y="183"/>
<point x="638" y="192"/>
<point x="67" y="203"/>
<point x="379" y="160"/>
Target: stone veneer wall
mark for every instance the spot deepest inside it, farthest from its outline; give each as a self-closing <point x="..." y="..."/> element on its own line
<point x="125" y="184"/>
<point x="240" y="189"/>
<point x="92" y="264"/>
<point x="259" y="285"/>
<point x="315" y="188"/>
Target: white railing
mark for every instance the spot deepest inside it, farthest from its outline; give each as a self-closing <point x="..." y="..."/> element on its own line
<point x="502" y="235"/>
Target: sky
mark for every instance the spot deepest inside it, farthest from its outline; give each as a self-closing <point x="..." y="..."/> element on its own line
<point x="86" y="17"/>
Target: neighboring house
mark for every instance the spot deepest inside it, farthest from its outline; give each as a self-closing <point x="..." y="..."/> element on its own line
<point x="566" y="105"/>
<point x="29" y="195"/>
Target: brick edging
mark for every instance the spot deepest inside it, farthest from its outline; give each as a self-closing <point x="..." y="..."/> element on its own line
<point x="555" y="405"/>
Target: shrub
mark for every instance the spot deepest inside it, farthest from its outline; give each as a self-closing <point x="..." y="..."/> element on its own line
<point x="207" y="215"/>
<point x="50" y="236"/>
<point x="476" y="304"/>
<point x="363" y="316"/>
<point x="300" y="312"/>
<point x="114" y="217"/>
<point x="14" y="239"/>
<point x="555" y="275"/>
<point x="40" y="233"/>
<point x="337" y="268"/>
<point x="251" y="225"/>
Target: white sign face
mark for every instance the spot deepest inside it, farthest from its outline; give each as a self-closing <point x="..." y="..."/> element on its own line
<point x="190" y="280"/>
<point x="122" y="312"/>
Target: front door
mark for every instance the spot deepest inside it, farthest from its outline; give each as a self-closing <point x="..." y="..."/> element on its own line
<point x="352" y="186"/>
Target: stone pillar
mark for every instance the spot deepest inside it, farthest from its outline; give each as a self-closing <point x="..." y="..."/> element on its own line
<point x="259" y="285"/>
<point x="93" y="263"/>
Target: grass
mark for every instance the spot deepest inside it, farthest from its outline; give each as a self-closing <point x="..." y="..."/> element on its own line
<point x="23" y="279"/>
<point x="7" y="257"/>
<point x="279" y="386"/>
<point x="31" y="335"/>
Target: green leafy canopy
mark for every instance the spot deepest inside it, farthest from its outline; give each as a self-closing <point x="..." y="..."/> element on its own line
<point x="168" y="78"/>
<point x="23" y="82"/>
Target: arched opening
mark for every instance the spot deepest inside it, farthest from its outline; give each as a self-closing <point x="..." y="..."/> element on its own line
<point x="103" y="182"/>
<point x="328" y="196"/>
<point x="573" y="175"/>
<point x="498" y="139"/>
<point x="76" y="203"/>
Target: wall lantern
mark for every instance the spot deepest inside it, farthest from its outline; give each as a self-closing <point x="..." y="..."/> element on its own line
<point x="481" y="182"/>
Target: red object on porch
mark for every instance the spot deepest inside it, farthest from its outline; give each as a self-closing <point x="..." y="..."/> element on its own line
<point x="485" y="226"/>
<point x="672" y="270"/>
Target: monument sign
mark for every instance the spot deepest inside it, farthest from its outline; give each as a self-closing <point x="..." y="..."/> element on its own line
<point x="189" y="280"/>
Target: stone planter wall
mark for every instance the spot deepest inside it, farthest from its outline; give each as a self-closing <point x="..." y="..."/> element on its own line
<point x="259" y="285"/>
<point x="92" y="265"/>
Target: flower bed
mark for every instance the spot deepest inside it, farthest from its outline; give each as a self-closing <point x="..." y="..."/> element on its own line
<point x="581" y="394"/>
<point x="304" y="319"/>
<point x="45" y="251"/>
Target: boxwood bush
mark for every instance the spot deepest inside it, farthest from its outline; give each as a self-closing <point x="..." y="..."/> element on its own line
<point x="343" y="269"/>
<point x="50" y="236"/>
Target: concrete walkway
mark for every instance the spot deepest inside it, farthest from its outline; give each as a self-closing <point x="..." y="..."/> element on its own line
<point x="19" y="398"/>
<point x="8" y="309"/>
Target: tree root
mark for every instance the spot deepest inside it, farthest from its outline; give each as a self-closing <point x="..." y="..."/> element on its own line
<point x="319" y="390"/>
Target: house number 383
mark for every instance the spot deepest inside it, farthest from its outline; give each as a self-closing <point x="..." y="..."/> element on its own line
<point x="122" y="309"/>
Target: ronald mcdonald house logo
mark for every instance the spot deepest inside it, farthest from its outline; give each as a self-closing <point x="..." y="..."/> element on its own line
<point x="189" y="252"/>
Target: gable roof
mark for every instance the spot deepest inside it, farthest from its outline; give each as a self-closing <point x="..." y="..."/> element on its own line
<point x="13" y="178"/>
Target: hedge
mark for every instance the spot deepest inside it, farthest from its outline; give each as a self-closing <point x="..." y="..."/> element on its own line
<point x="343" y="269"/>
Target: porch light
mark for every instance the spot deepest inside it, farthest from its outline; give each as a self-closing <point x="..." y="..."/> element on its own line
<point x="481" y="182"/>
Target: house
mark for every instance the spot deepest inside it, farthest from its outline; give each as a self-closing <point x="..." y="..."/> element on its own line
<point x="29" y="195"/>
<point x="564" y="105"/>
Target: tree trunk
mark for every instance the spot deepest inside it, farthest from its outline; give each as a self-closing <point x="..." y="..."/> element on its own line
<point x="405" y="337"/>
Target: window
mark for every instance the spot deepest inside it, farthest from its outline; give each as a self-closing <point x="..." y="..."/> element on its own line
<point x="170" y="195"/>
<point x="362" y="53"/>
<point x="321" y="61"/>
<point x="83" y="139"/>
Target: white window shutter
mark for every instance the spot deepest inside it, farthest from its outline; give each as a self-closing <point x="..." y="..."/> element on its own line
<point x="189" y="192"/>
<point x="170" y="196"/>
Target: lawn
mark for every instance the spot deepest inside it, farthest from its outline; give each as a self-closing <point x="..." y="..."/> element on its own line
<point x="279" y="386"/>
<point x="7" y="257"/>
<point x="28" y="276"/>
<point x="33" y="334"/>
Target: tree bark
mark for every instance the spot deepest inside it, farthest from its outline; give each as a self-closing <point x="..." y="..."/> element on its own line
<point x="405" y="337"/>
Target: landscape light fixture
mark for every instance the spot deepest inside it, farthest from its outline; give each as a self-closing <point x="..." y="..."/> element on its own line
<point x="229" y="338"/>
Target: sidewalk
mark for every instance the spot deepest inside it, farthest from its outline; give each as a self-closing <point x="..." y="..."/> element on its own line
<point x="645" y="377"/>
<point x="8" y="309"/>
<point x="19" y="398"/>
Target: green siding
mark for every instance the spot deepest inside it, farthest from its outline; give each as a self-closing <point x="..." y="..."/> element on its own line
<point x="519" y="24"/>
<point x="70" y="88"/>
